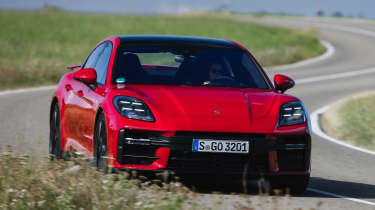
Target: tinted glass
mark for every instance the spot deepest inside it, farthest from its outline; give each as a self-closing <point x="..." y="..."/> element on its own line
<point x="102" y="63"/>
<point x="194" y="66"/>
<point x="99" y="60"/>
<point x="162" y="58"/>
<point x="93" y="58"/>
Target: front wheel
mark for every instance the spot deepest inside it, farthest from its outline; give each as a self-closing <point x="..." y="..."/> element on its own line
<point x="295" y="184"/>
<point x="55" y="134"/>
<point x="100" y="145"/>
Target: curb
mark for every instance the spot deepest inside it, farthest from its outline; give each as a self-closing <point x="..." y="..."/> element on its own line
<point x="315" y="124"/>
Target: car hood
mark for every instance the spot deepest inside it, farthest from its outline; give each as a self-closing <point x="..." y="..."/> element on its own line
<point x="217" y="106"/>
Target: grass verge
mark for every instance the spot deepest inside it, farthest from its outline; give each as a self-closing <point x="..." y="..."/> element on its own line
<point x="37" y="183"/>
<point x="33" y="184"/>
<point x="353" y="120"/>
<point x="37" y="45"/>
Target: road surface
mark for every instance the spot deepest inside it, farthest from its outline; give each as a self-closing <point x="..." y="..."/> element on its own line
<point x="336" y="170"/>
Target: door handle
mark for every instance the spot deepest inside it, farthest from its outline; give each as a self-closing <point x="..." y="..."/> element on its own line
<point x="68" y="87"/>
<point x="80" y="93"/>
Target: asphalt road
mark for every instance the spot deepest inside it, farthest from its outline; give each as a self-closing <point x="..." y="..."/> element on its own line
<point x="335" y="169"/>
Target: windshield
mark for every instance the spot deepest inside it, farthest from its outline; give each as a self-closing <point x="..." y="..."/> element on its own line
<point x="196" y="66"/>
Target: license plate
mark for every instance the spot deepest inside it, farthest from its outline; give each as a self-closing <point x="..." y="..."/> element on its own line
<point x="225" y="146"/>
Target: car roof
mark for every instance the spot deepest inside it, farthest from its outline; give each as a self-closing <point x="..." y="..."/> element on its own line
<point x="177" y="40"/>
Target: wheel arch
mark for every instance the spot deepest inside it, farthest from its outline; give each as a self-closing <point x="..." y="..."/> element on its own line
<point x="53" y="103"/>
<point x="57" y="152"/>
<point x="98" y="113"/>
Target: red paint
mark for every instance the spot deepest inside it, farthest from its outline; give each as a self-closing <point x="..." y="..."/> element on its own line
<point x="283" y="82"/>
<point x="68" y="87"/>
<point x="242" y="47"/>
<point x="175" y="108"/>
<point x="87" y="76"/>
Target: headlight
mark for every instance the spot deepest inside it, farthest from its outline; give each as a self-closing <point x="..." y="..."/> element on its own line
<point x="292" y="113"/>
<point x="133" y="108"/>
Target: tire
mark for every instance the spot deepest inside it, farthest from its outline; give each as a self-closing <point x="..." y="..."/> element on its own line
<point x="55" y="134"/>
<point x="295" y="184"/>
<point x="100" y="144"/>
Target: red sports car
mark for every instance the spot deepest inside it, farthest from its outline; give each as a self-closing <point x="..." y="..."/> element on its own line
<point x="189" y="105"/>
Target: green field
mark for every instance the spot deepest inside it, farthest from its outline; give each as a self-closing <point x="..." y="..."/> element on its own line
<point x="358" y="120"/>
<point x="36" y="46"/>
<point x="352" y="120"/>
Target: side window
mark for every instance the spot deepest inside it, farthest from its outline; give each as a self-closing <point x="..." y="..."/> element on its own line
<point x="93" y="58"/>
<point x="102" y="63"/>
<point x="255" y="75"/>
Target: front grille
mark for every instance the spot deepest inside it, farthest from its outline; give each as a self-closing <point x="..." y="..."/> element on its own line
<point x="219" y="135"/>
<point x="139" y="147"/>
<point x="133" y="148"/>
<point x="291" y="160"/>
<point x="208" y="162"/>
<point x="291" y="140"/>
<point x="136" y="154"/>
<point x="261" y="163"/>
<point x="187" y="161"/>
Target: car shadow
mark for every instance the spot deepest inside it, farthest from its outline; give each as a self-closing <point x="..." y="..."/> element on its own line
<point x="254" y="187"/>
<point x="343" y="188"/>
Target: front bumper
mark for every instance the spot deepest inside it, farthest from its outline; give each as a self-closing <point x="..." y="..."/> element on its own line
<point x="269" y="154"/>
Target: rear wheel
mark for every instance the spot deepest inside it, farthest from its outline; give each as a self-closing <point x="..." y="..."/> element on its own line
<point x="55" y="134"/>
<point x="295" y="184"/>
<point x="100" y="145"/>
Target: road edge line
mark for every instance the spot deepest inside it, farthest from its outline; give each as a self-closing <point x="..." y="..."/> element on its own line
<point x="26" y="90"/>
<point x="341" y="196"/>
<point x="315" y="124"/>
<point x="330" y="50"/>
<point x="336" y="76"/>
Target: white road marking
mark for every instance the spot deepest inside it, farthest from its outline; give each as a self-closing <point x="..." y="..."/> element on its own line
<point x="335" y="76"/>
<point x="330" y="50"/>
<point x="341" y="196"/>
<point x="318" y="131"/>
<point x="348" y="29"/>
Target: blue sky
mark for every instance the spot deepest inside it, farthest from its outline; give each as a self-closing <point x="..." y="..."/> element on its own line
<point x="354" y="8"/>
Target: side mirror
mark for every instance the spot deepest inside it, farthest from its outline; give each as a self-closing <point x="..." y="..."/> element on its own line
<point x="87" y="76"/>
<point x="283" y="83"/>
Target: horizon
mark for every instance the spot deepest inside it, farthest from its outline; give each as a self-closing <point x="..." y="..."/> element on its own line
<point x="356" y="9"/>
